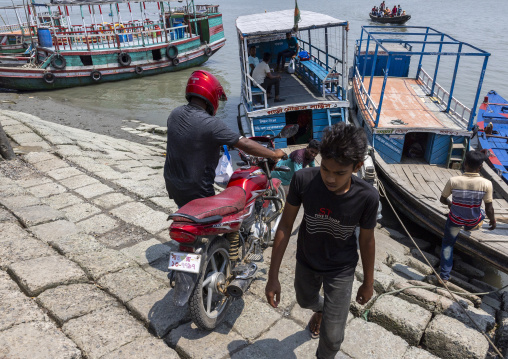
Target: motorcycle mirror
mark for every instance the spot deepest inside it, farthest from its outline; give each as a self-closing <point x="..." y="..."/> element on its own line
<point x="288" y="131"/>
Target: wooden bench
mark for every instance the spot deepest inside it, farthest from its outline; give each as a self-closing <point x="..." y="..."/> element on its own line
<point x="316" y="74"/>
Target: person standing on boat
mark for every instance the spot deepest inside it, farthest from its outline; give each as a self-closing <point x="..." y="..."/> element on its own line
<point x="334" y="202"/>
<point x="382" y="6"/>
<point x="399" y="10"/>
<point x="467" y="193"/>
<point x="394" y="11"/>
<point x="289" y="52"/>
<point x="263" y="76"/>
<point x="195" y="137"/>
<point x="253" y="60"/>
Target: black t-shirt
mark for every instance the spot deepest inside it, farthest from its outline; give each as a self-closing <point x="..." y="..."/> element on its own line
<point x="193" y="152"/>
<point x="327" y="239"/>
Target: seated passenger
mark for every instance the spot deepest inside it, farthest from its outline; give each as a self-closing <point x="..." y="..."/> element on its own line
<point x="253" y="60"/>
<point x="296" y="161"/>
<point x="263" y="76"/>
<point x="289" y="52"/>
<point x="403" y="12"/>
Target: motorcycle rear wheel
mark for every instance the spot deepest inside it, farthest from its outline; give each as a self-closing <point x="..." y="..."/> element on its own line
<point x="208" y="306"/>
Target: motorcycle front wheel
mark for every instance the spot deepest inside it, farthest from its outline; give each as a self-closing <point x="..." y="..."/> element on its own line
<point x="271" y="209"/>
<point x="208" y="305"/>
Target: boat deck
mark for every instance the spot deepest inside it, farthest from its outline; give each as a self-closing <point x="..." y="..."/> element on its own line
<point x="423" y="183"/>
<point x="405" y="100"/>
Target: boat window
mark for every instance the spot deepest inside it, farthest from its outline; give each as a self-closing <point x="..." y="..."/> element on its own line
<point x="304" y="121"/>
<point x="156" y="54"/>
<point x="86" y="60"/>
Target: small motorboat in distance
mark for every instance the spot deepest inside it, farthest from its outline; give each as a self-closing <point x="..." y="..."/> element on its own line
<point x="390" y="19"/>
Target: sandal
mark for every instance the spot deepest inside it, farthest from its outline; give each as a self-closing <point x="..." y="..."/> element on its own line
<point x="315" y="324"/>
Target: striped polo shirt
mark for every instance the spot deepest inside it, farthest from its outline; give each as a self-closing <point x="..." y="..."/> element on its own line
<point x="467" y="192"/>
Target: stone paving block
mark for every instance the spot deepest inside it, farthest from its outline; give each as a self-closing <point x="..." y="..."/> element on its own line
<point x="12" y="190"/>
<point x="69" y="150"/>
<point x="7" y="284"/>
<point x="98" y="224"/>
<point x="63" y="200"/>
<point x="502" y="333"/>
<point x="434" y="261"/>
<point x="166" y="203"/>
<point x="147" y="252"/>
<point x="76" y="244"/>
<point x="407" y="272"/>
<point x="70" y="301"/>
<point x="191" y="342"/>
<point x="402" y="318"/>
<point x="424" y="298"/>
<point x="78" y="181"/>
<point x="34" y="215"/>
<point x="369" y="340"/>
<point x="468" y="270"/>
<point x="80" y="211"/>
<point x="492" y="302"/>
<point x="64" y="172"/>
<point x="17" y="202"/>
<point x="98" y="263"/>
<point x="37" y="157"/>
<point x="417" y="353"/>
<point x="483" y="319"/>
<point x="244" y="316"/>
<point x="153" y="221"/>
<point x="130" y="211"/>
<point x="58" y="140"/>
<point x="17" y="308"/>
<point x="108" y="174"/>
<point x="41" y="340"/>
<point x="93" y="190"/>
<point x="111" y="200"/>
<point x="6" y="216"/>
<point x="143" y="348"/>
<point x="38" y="274"/>
<point x="382" y="281"/>
<point x="36" y="145"/>
<point x="47" y="189"/>
<point x="54" y="230"/>
<point x="17" y="129"/>
<point x="130" y="283"/>
<point x="49" y="165"/>
<point x="159" y="269"/>
<point x="286" y="279"/>
<point x="158" y="312"/>
<point x="12" y="231"/>
<point x="449" y="338"/>
<point x="123" y="236"/>
<point x="103" y="331"/>
<point x="33" y="181"/>
<point x="21" y="249"/>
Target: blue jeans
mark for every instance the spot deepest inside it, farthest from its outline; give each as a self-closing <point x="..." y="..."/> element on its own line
<point x="451" y="232"/>
<point x="335" y="306"/>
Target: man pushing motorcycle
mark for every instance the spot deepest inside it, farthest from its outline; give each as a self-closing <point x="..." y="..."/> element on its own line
<point x="195" y="137"/>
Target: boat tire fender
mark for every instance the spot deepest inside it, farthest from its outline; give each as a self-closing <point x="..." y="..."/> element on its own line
<point x="96" y="75"/>
<point x="172" y="52"/>
<point x="58" y="62"/>
<point x="138" y="70"/>
<point x="48" y="77"/>
<point x="175" y="61"/>
<point x="124" y="59"/>
<point x="208" y="51"/>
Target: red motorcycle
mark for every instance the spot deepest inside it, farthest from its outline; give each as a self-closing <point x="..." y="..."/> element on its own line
<point x="222" y="236"/>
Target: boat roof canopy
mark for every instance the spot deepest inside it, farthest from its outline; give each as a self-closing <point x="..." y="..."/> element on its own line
<point x="93" y="2"/>
<point x="283" y="21"/>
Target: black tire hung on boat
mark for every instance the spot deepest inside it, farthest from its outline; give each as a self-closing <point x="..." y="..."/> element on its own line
<point x="96" y="75"/>
<point x="49" y="77"/>
<point x="58" y="62"/>
<point x="208" y="51"/>
<point x="138" y="70"/>
<point x="175" y="61"/>
<point x="172" y="52"/>
<point x="124" y="59"/>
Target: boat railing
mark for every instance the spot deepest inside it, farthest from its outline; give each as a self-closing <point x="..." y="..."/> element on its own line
<point x="367" y="101"/>
<point x="112" y="36"/>
<point x="456" y="107"/>
<point x="13" y="27"/>
<point x="326" y="63"/>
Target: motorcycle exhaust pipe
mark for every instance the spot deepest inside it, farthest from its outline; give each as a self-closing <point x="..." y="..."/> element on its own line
<point x="238" y="287"/>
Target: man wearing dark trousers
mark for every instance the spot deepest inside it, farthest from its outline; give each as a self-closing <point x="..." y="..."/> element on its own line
<point x="263" y="76"/>
<point x="289" y="52"/>
<point x="335" y="202"/>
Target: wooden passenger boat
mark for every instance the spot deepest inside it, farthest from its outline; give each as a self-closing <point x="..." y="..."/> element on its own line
<point x="108" y="48"/>
<point x="315" y="95"/>
<point x="492" y="125"/>
<point x="419" y="131"/>
<point x="15" y="38"/>
<point x="390" y="19"/>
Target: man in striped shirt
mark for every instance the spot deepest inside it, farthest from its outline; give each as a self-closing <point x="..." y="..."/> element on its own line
<point x="467" y="191"/>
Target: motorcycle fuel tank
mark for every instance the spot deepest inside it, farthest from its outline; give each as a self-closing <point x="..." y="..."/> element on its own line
<point x="253" y="180"/>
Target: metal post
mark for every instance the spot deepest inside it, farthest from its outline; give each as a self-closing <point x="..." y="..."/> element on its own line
<point x="473" y="110"/>
<point x="365" y="58"/>
<point x="453" y="79"/>
<point x="361" y="38"/>
<point x="164" y="23"/>
<point x="57" y="48"/>
<point x="437" y="67"/>
<point x="383" y="91"/>
<point x="344" y="68"/>
<point x="326" y="47"/>
<point x="373" y="68"/>
<point x="421" y="56"/>
<point x="344" y="61"/>
<point x="84" y="26"/>
<point x="310" y="44"/>
<point x="142" y="23"/>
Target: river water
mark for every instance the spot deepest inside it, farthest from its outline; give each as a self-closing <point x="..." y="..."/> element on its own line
<point x="150" y="99"/>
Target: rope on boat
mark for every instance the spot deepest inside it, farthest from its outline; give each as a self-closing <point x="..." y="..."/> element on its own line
<point x="445" y="285"/>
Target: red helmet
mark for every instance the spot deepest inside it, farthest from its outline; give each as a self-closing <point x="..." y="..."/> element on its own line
<point x="204" y="85"/>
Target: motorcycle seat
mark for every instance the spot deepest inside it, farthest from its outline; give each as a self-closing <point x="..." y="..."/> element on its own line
<point x="229" y="201"/>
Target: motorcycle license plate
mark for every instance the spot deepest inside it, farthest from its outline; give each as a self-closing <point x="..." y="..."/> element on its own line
<point x="185" y="262"/>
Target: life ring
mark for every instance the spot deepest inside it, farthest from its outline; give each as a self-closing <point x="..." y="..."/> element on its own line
<point x="124" y="59"/>
<point x="58" y="61"/>
<point x="96" y="75"/>
<point x="138" y="70"/>
<point x="49" y="77"/>
<point x="175" y="61"/>
<point x="208" y="51"/>
<point x="172" y="52"/>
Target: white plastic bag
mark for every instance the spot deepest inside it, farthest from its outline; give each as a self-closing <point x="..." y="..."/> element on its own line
<point x="224" y="169"/>
<point x="291" y="67"/>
